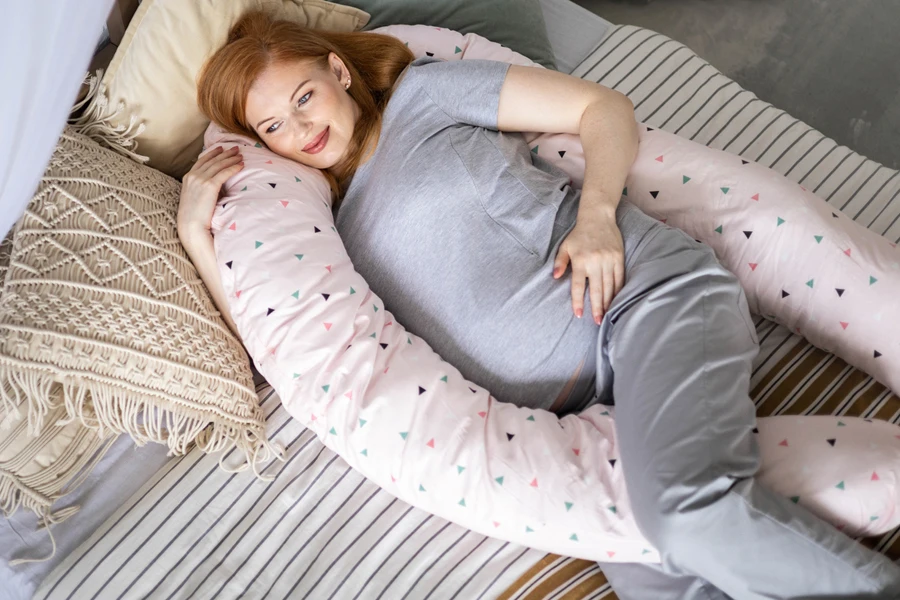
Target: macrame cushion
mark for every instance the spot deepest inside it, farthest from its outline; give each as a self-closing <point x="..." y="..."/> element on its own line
<point x="103" y="313"/>
<point x="802" y="263"/>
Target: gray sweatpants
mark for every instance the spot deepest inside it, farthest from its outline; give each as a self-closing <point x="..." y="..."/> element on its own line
<point x="674" y="355"/>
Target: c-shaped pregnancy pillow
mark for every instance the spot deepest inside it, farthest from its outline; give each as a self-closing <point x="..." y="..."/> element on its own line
<point x="383" y="400"/>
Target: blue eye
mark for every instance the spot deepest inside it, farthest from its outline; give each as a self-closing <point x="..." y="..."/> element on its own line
<point x="274" y="127"/>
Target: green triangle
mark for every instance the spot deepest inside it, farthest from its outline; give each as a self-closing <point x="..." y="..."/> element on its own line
<point x="352" y="291"/>
<point x="573" y="537"/>
<point x="457" y="51"/>
<point x="296" y="294"/>
<point x="535" y="149"/>
<point x="299" y="256"/>
<point x="408" y="341"/>
<point x="364" y="452"/>
<point x="780" y="221"/>
<point x="818" y="238"/>
<point x="462" y="502"/>
<point x="719" y="229"/>
<point x="530" y="418"/>
<point x="297" y="179"/>
<point x="873" y="518"/>
<point x="625" y="192"/>
<point x="325" y="387"/>
<point x="613" y="509"/>
<point x="684" y="179"/>
<point x="645" y="552"/>
<point x="375" y="307"/>
<point x="403" y="434"/>
<point x="258" y="244"/>
<point x="840" y="486"/>
<point x="528" y="529"/>
<point x="810" y="282"/>
<point x="257" y="145"/>
<point x="407" y="43"/>
<point x="333" y="229"/>
<point x="499" y="480"/>
<point x="841" y="424"/>
<point x="872" y="280"/>
<point x="444" y="379"/>
<point x="605" y="413"/>
<point x="244" y="189"/>
<point x="795" y="499"/>
<point x="724" y="190"/>
<point x="421" y="489"/>
<point x="332" y="431"/>
<point x="569" y="506"/>
<point x="460" y="469"/>
<point x="296" y="375"/>
<point x="373" y="335"/>
<point x="362" y="422"/>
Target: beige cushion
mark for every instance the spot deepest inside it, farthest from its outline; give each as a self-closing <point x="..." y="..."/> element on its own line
<point x="155" y="67"/>
<point x="101" y="301"/>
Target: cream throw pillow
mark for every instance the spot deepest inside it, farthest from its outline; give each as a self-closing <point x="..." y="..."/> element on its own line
<point x="153" y="73"/>
<point x="103" y="312"/>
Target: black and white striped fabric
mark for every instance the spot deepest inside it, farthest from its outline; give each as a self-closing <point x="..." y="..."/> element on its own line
<point x="321" y="531"/>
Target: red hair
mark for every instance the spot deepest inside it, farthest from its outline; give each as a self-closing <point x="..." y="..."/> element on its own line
<point x="258" y="39"/>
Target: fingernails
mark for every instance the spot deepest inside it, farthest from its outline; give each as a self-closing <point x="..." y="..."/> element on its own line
<point x="579" y="312"/>
<point x="598" y="318"/>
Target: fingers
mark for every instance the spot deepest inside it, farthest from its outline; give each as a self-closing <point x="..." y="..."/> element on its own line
<point x="608" y="288"/>
<point x="559" y="265"/>
<point x="226" y="173"/>
<point x="578" y="285"/>
<point x="221" y="160"/>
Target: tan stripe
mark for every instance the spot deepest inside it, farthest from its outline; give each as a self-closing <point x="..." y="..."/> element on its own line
<point x="815" y="389"/>
<point x="528" y="576"/>
<point x="889" y="409"/>
<point x="555" y="580"/>
<point x="588" y="587"/>
<point x="773" y="373"/>
<point x="791" y="381"/>
<point x="855" y="380"/>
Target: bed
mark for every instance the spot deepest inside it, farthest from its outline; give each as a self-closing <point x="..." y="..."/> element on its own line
<point x="182" y="528"/>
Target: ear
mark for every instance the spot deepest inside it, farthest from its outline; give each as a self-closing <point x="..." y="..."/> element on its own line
<point x="337" y="66"/>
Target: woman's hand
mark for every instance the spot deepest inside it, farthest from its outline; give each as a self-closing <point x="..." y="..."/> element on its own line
<point x="201" y="185"/>
<point x="597" y="253"/>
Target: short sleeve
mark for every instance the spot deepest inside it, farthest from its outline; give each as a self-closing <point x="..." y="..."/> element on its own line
<point x="467" y="90"/>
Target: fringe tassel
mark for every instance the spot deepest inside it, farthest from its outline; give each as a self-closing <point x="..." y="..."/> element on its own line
<point x="96" y="120"/>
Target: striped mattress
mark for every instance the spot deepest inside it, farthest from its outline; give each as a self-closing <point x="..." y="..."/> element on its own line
<point x="322" y="531"/>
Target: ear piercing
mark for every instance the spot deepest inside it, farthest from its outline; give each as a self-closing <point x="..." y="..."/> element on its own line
<point x="347" y="87"/>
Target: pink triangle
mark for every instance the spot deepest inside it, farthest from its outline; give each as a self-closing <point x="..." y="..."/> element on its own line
<point x="847" y="251"/>
<point x="238" y="293"/>
<point x="783" y="442"/>
<point x="496" y="524"/>
<point x="803" y="188"/>
<point x="875" y="476"/>
<point x="753" y="266"/>
<point x="755" y="197"/>
<point x="327" y="326"/>
<point x="349" y="394"/>
<point x="388" y="323"/>
<point x="430" y="443"/>
<point x="233" y="227"/>
<point x="797" y="329"/>
<point x="328" y="267"/>
<point x="284" y="203"/>
<point x="482" y="414"/>
<point x="610" y="553"/>
<point x="576" y="451"/>
<point x="268" y="162"/>
<point x="386" y="370"/>
<point x="312" y="417"/>
<point x="844" y="325"/>
<point x="659" y="158"/>
<point x="392" y="479"/>
<point x="534" y="482"/>
<point x="892" y="244"/>
<point x="664" y="220"/>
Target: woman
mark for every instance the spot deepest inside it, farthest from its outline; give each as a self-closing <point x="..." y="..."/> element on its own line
<point x="465" y="235"/>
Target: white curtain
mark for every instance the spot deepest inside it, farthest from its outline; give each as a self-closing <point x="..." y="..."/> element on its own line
<point x="45" y="48"/>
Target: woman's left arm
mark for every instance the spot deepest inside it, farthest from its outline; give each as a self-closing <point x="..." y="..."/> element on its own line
<point x="542" y="100"/>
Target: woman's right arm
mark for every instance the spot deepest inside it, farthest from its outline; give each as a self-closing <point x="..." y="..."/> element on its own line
<point x="200" y="189"/>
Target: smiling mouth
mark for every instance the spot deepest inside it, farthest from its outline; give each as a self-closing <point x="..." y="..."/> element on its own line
<point x="319" y="143"/>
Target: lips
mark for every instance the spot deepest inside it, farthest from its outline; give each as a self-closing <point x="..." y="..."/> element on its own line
<point x="316" y="144"/>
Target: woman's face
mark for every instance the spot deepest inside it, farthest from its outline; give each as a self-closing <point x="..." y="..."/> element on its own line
<point x="290" y="105"/>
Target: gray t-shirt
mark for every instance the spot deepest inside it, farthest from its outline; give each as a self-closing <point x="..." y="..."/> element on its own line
<point x="456" y="225"/>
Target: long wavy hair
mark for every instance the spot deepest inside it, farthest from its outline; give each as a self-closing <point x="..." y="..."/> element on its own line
<point x="258" y="40"/>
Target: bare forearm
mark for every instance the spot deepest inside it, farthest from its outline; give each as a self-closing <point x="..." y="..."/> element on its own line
<point x="198" y="243"/>
<point x="609" y="137"/>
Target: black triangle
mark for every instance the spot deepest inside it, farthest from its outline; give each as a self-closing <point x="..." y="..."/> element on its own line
<point x="317" y="230"/>
<point x="877" y="354"/>
<point x="649" y="129"/>
<point x="383" y="346"/>
<point x="228" y="264"/>
<point x="350" y="346"/>
<point x="326" y="296"/>
<point x="430" y="53"/>
<point x="839" y="291"/>
<point x="784" y="294"/>
<point x="756" y="430"/>
<point x="655" y="194"/>
<point x="224" y="204"/>
<point x="273" y="185"/>
<point x="612" y="463"/>
<point x="744" y="161"/>
<point x="560" y="424"/>
<point x="473" y="391"/>
<point x="834" y="215"/>
<point x="562" y="153"/>
<point x="270" y="311"/>
<point x="421" y="390"/>
<point x="832" y="441"/>
<point x="698" y="241"/>
<point x="510" y="436"/>
<point x="748" y="234"/>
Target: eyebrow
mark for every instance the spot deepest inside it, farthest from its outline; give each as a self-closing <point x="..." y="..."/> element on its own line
<point x="291" y="100"/>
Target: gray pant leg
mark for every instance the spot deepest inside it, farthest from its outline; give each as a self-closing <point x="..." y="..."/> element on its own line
<point x="638" y="581"/>
<point x="675" y="352"/>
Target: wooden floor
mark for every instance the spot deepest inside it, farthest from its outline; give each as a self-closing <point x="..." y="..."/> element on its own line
<point x="831" y="63"/>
